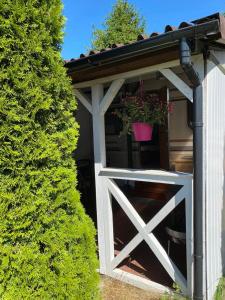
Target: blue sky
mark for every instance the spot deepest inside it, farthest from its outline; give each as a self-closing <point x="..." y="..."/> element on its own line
<point x="83" y="14"/>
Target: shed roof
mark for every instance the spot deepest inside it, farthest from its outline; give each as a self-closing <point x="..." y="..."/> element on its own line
<point x="208" y="29"/>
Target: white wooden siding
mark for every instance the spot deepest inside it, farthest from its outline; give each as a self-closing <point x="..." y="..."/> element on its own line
<point x="215" y="168"/>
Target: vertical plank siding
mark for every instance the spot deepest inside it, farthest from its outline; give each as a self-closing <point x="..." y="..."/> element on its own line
<point x="215" y="168"/>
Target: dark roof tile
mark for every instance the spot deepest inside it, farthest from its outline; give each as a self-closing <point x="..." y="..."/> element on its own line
<point x="154" y="34"/>
<point x="117" y="45"/>
<point x="169" y="28"/>
<point x="184" y="25"/>
<point x="92" y="52"/>
<point x="142" y="37"/>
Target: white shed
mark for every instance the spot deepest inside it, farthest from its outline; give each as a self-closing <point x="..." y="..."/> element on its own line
<point x="179" y="175"/>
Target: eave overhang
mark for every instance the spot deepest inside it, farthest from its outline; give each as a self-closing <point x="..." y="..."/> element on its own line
<point x="147" y="50"/>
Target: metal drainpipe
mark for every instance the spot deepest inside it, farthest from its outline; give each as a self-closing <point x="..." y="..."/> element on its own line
<point x="185" y="61"/>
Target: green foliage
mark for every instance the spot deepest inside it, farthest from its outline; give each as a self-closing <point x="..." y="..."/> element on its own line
<point x="142" y="107"/>
<point x="220" y="291"/>
<point x="47" y="247"/>
<point x="173" y="296"/>
<point x="176" y="295"/>
<point x="123" y="25"/>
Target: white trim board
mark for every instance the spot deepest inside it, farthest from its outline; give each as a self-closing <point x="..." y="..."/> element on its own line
<point x="139" y="282"/>
<point x="146" y="175"/>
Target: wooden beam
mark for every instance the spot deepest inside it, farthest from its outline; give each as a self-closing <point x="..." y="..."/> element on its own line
<point x="83" y="99"/>
<point x="110" y="95"/>
<point x="126" y="205"/>
<point x="178" y="83"/>
<point x="146" y="175"/>
<point x="124" y="65"/>
<point x="167" y="262"/>
<point x="129" y="74"/>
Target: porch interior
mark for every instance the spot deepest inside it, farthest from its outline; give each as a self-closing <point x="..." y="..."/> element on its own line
<point x="171" y="149"/>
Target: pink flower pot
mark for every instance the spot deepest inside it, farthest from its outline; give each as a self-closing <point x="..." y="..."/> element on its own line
<point x="142" y="131"/>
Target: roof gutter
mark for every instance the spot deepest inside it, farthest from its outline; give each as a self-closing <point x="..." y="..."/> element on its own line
<point x="185" y="61"/>
<point x="210" y="29"/>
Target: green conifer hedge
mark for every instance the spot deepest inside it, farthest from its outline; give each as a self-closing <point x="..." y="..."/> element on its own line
<point x="47" y="243"/>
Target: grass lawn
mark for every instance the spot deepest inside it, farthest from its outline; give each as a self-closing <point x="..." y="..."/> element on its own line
<point x="116" y="290"/>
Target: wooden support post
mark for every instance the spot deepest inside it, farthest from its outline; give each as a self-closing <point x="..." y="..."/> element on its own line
<point x="103" y="199"/>
<point x="189" y="236"/>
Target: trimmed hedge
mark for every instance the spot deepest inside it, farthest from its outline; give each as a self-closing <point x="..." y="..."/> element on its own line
<point x="47" y="243"/>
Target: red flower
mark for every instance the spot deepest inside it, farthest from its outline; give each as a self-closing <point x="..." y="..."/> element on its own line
<point x="170" y="107"/>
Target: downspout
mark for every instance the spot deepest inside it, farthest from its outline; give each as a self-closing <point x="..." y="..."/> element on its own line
<point x="186" y="64"/>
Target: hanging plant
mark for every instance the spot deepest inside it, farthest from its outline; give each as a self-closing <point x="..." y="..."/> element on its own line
<point x="141" y="112"/>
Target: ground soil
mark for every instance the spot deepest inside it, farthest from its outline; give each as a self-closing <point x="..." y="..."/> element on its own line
<point x="116" y="290"/>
